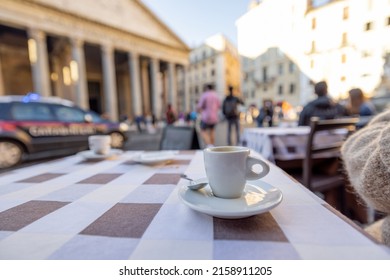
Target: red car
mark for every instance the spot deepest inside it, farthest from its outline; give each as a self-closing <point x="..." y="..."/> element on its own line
<point x="32" y="126"/>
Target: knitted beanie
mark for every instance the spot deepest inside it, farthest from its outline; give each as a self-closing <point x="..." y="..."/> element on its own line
<point x="366" y="156"/>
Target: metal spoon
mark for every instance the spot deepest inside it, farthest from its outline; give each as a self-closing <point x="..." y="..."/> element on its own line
<point x="195" y="184"/>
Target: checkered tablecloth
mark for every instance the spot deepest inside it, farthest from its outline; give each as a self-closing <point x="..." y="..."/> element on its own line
<point x="118" y="209"/>
<point x="286" y="143"/>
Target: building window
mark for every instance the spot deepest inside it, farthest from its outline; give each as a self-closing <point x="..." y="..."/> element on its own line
<point x="265" y="76"/>
<point x="313" y="23"/>
<point x="368" y="26"/>
<point x="212" y="72"/>
<point x="280" y="89"/>
<point x="292" y="88"/>
<point x="344" y="39"/>
<point x="291" y="67"/>
<point x="388" y="21"/>
<point x="253" y="93"/>
<point x="345" y="13"/>
<point x="313" y="46"/>
<point x="280" y="69"/>
<point x="343" y="58"/>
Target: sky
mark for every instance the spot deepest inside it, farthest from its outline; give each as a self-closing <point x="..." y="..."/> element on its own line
<point x="195" y="20"/>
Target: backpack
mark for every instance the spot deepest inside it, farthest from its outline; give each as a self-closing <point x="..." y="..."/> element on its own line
<point x="230" y="107"/>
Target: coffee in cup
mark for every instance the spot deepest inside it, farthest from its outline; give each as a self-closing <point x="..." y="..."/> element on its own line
<point x="229" y="167"/>
<point x="100" y="144"/>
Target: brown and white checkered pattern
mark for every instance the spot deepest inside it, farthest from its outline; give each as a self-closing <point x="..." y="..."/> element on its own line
<point x="119" y="209"/>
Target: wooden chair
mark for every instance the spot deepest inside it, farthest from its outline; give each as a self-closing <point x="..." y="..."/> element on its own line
<point x="322" y="167"/>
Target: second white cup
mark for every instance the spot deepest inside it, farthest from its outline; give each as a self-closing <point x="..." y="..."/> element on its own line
<point x="229" y="167"/>
<point x="100" y="144"/>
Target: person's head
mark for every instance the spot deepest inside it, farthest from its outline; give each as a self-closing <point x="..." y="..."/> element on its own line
<point x="209" y="87"/>
<point x="356" y="94"/>
<point x="230" y="90"/>
<point x="356" y="98"/>
<point x="321" y="88"/>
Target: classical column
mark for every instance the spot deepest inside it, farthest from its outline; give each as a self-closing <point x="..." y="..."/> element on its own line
<point x="109" y="81"/>
<point x="187" y="104"/>
<point x="37" y="48"/>
<point x="2" y="91"/>
<point x="145" y="86"/>
<point x="79" y="73"/>
<point x="135" y="81"/>
<point x="172" y="91"/>
<point x="154" y="69"/>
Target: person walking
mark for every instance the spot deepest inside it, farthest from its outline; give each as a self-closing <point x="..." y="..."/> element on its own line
<point x="170" y="115"/>
<point x="323" y="106"/>
<point x="232" y="114"/>
<point x="209" y="105"/>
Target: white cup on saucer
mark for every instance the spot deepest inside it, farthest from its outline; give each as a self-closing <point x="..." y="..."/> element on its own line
<point x="100" y="144"/>
<point x="229" y="167"/>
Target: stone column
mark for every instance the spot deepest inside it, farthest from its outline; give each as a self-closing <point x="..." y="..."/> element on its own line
<point x="39" y="62"/>
<point x="2" y="91"/>
<point x="135" y="82"/>
<point x="145" y="86"/>
<point x="79" y="78"/>
<point x="172" y="91"/>
<point x="187" y="104"/>
<point x="154" y="69"/>
<point x="109" y="81"/>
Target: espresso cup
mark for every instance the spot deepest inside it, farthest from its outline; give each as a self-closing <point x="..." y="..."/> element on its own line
<point x="100" y="144"/>
<point x="229" y="167"/>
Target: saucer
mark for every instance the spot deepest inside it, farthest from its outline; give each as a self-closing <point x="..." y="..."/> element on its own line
<point x="88" y="154"/>
<point x="256" y="199"/>
<point x="152" y="158"/>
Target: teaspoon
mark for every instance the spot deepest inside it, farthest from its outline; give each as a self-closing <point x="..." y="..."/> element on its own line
<point x="195" y="184"/>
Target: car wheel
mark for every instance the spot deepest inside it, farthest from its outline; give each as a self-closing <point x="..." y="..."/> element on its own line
<point x="11" y="154"/>
<point x="117" y="140"/>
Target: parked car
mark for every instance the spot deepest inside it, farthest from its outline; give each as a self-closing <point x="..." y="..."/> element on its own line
<point x="32" y="126"/>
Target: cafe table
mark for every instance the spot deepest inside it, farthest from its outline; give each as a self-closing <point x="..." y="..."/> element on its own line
<point x="125" y="207"/>
<point x="285" y="143"/>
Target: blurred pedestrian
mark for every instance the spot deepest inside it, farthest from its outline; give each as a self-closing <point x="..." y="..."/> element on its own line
<point x="232" y="114"/>
<point x="266" y="114"/>
<point x="170" y="115"/>
<point x="360" y="106"/>
<point x="209" y="105"/>
<point x="323" y="106"/>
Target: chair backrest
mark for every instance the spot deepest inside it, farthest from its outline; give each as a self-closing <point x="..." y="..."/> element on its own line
<point x="337" y="129"/>
<point x="179" y="138"/>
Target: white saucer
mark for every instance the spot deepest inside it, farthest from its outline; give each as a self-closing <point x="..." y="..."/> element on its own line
<point x="88" y="154"/>
<point x="152" y="158"/>
<point x="256" y="199"/>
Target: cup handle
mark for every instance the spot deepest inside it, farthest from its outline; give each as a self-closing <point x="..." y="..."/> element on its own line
<point x="250" y="174"/>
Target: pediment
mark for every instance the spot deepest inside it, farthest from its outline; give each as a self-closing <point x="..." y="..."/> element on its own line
<point x="129" y="15"/>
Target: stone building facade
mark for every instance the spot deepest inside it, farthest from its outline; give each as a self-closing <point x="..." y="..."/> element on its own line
<point x="216" y="62"/>
<point x="114" y="57"/>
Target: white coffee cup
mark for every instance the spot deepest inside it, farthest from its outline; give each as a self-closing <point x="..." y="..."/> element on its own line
<point x="100" y="144"/>
<point x="229" y="167"/>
